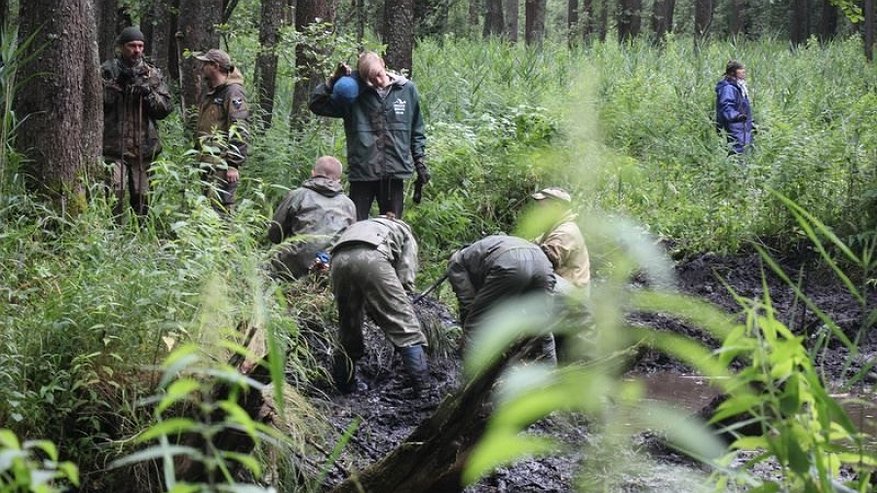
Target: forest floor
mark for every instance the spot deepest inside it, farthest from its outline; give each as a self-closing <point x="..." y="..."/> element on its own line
<point x="389" y="412"/>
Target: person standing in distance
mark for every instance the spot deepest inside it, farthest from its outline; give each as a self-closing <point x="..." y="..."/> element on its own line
<point x="733" y="110"/>
<point x="223" y="123"/>
<point x="384" y="129"/>
<point x="136" y="97"/>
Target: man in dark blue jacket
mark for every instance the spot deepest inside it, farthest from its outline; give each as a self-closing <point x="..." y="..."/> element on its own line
<point x="384" y="130"/>
<point x="733" y="112"/>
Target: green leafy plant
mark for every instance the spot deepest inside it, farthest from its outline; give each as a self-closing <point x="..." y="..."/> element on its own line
<point x="33" y="466"/>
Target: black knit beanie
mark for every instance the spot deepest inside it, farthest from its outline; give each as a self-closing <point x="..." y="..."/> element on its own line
<point x="130" y="33"/>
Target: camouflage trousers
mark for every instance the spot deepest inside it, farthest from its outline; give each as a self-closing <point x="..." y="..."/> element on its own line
<point x="131" y="175"/>
<point x="219" y="191"/>
<point x="363" y="280"/>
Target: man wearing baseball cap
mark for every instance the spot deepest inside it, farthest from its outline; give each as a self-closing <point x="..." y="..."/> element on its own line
<point x="223" y="126"/>
<point x="563" y="242"/>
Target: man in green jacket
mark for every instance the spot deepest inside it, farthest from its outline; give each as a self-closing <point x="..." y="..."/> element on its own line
<point x="223" y="124"/>
<point x="495" y="269"/>
<point x="373" y="267"/>
<point x="135" y="98"/>
<point x="313" y="213"/>
<point x="384" y="130"/>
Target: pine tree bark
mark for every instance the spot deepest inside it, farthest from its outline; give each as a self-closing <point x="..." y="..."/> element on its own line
<point x="197" y="32"/>
<point x="572" y="22"/>
<point x="868" y="28"/>
<point x="703" y="18"/>
<point x="603" y="24"/>
<point x="159" y="26"/>
<point x="306" y="65"/>
<point x="629" y="20"/>
<point x="266" y="61"/>
<point x="587" y="20"/>
<point x="800" y="28"/>
<point x="828" y="21"/>
<point x="61" y="112"/>
<point x="399" y="34"/>
<point x="511" y="10"/>
<point x="493" y="22"/>
<point x="662" y="17"/>
<point x="534" y="22"/>
<point x="738" y="24"/>
<point x="473" y="17"/>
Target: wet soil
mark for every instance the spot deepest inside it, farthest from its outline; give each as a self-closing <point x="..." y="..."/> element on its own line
<point x="387" y="412"/>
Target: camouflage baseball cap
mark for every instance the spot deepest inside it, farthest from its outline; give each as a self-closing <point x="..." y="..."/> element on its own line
<point x="216" y="56"/>
<point x="552" y="193"/>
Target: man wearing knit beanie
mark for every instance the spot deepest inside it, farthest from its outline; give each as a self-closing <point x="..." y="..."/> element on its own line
<point x="135" y="98"/>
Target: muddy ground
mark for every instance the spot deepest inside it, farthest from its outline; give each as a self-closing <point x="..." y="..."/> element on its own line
<point x="388" y="412"/>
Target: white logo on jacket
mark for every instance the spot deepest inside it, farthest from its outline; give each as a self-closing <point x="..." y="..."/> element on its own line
<point x="399" y="107"/>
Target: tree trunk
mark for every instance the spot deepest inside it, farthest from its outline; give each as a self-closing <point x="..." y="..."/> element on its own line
<point x="662" y="17"/>
<point x="159" y="26"/>
<point x="431" y="17"/>
<point x="474" y="9"/>
<point x="493" y="23"/>
<point x="197" y="32"/>
<point x="4" y="12"/>
<point x="587" y="20"/>
<point x="306" y="65"/>
<point x="737" y="20"/>
<point x="828" y="21"/>
<point x="868" y="27"/>
<point x="361" y="17"/>
<point x="511" y="9"/>
<point x="572" y="22"/>
<point x="629" y="19"/>
<point x="800" y="28"/>
<point x="703" y="18"/>
<point x="399" y="34"/>
<point x="61" y="112"/>
<point x="266" y="61"/>
<point x="534" y="22"/>
<point x="603" y="25"/>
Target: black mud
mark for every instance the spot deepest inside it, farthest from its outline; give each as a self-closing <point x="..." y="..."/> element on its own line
<point x="388" y="412"/>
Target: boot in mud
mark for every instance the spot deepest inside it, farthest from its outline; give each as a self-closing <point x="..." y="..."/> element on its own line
<point x="344" y="373"/>
<point x="414" y="359"/>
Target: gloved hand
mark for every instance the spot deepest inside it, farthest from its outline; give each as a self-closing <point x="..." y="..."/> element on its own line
<point x="141" y="89"/>
<point x="423" y="175"/>
<point x="340" y="71"/>
<point x="741" y="117"/>
<point x="321" y="262"/>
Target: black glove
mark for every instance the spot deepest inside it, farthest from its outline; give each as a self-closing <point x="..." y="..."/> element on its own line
<point x="423" y="175"/>
<point x="417" y="196"/>
<point x="741" y="117"/>
<point x="340" y="71"/>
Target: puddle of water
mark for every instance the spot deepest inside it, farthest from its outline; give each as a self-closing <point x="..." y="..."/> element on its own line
<point x="693" y="392"/>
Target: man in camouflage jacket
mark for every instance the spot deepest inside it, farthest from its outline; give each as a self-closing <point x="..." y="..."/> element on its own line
<point x="373" y="267"/>
<point x="223" y="126"/>
<point x="135" y="98"/>
<point x="313" y="213"/>
<point x="494" y="269"/>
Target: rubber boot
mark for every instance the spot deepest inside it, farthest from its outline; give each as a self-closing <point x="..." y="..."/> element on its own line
<point x="344" y="373"/>
<point x="414" y="359"/>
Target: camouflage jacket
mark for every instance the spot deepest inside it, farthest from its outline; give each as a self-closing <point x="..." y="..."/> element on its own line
<point x="565" y="247"/>
<point x="317" y="210"/>
<point x="469" y="266"/>
<point x="222" y="108"/>
<point x="135" y="98"/>
<point x="392" y="238"/>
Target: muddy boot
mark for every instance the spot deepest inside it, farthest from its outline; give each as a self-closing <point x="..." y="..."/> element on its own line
<point x="414" y="360"/>
<point x="344" y="373"/>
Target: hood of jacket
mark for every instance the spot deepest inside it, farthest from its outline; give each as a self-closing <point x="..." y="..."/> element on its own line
<point x="726" y="82"/>
<point x="324" y="186"/>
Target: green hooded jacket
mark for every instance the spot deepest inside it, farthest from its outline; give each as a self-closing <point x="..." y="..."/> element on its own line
<point x="384" y="135"/>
